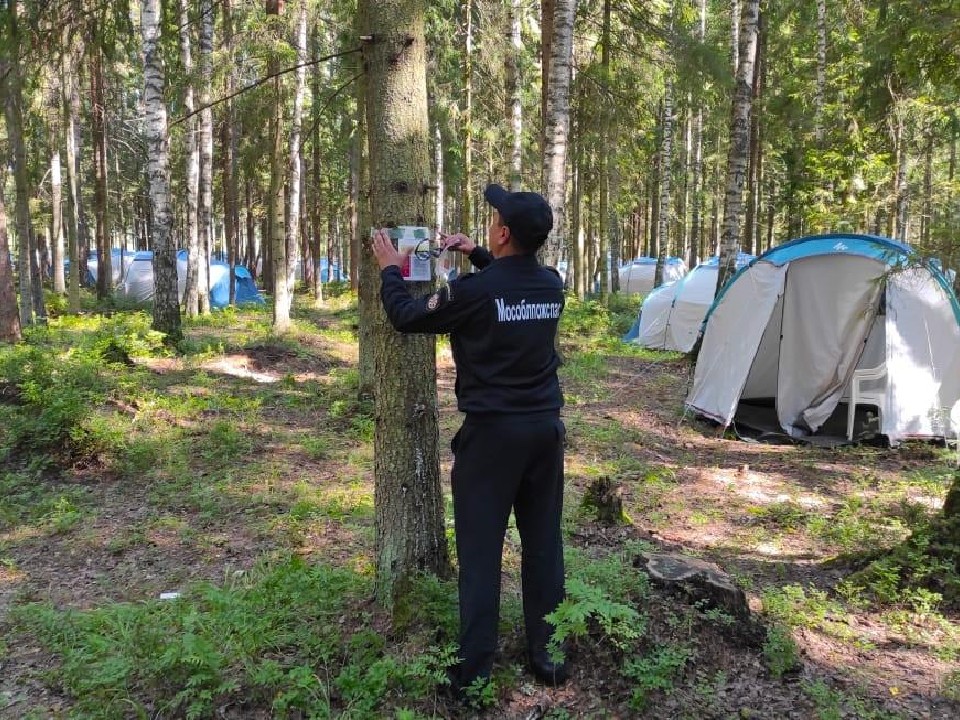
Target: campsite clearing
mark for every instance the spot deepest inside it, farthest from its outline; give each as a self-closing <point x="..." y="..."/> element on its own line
<point x="239" y="475"/>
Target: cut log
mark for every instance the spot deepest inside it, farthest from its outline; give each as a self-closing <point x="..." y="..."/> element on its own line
<point x="605" y="498"/>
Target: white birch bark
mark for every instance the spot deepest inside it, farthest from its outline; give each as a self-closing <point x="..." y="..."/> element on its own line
<point x="557" y="126"/>
<point x="295" y="162"/>
<point x="739" y="150"/>
<point x="662" y="239"/>
<point x="192" y="160"/>
<point x="166" y="303"/>
<point x="205" y="198"/>
<point x="735" y="12"/>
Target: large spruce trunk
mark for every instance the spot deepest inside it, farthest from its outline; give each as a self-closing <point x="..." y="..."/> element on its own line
<point x="409" y="511"/>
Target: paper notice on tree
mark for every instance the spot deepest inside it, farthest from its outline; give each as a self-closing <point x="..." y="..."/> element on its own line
<point x="411" y="239"/>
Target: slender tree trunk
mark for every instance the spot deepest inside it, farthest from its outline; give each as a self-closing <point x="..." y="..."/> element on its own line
<point x="278" y="244"/>
<point x="11" y="86"/>
<point x="558" y="127"/>
<point x="927" y="212"/>
<point x="166" y="304"/>
<point x="101" y="215"/>
<point x="231" y="215"/>
<point x="410" y="534"/>
<point x="191" y="192"/>
<point x="355" y="242"/>
<point x="666" y="173"/>
<point x="514" y="95"/>
<point x="753" y="178"/>
<point x="205" y="197"/>
<point x="9" y="319"/>
<point x="603" y="171"/>
<point x="70" y="113"/>
<point x="466" y="224"/>
<point x="818" y="99"/>
<point x="739" y="143"/>
<point x="547" y="16"/>
<point x="576" y="265"/>
<point x="735" y="53"/>
<point x="55" y="133"/>
<point x="295" y="160"/>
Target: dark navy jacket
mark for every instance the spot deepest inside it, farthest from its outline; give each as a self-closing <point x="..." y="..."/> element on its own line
<point x="503" y="326"/>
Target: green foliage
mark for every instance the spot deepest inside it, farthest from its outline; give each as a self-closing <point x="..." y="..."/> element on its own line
<point x="589" y="612"/>
<point x="780" y="650"/>
<point x="833" y="704"/>
<point x="656" y="672"/>
<point x="26" y="498"/>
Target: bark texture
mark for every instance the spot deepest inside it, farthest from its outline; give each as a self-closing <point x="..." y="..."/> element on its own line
<point x="409" y="512"/>
<point x="166" y="303"/>
<point x="557" y="124"/>
<point x="739" y="151"/>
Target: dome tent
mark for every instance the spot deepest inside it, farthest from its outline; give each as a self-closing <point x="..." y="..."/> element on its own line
<point x="671" y="316"/>
<point x="137" y="283"/>
<point x="791" y="328"/>
<point x="636" y="276"/>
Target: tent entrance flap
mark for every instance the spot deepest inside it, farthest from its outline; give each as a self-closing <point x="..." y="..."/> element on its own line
<point x="823" y="335"/>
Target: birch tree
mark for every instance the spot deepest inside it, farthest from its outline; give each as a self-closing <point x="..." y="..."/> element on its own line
<point x="278" y="239"/>
<point x="166" y="304"/>
<point x="514" y="110"/>
<point x="205" y="195"/>
<point x="662" y="238"/>
<point x="98" y="122"/>
<point x="191" y="158"/>
<point x="739" y="150"/>
<point x="410" y="534"/>
<point x="294" y="160"/>
<point x="71" y="112"/>
<point x="557" y="124"/>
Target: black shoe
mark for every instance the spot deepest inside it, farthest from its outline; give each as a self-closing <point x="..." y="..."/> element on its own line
<point x="547" y="671"/>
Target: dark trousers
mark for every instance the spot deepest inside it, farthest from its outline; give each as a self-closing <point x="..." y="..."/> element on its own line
<point x="500" y="464"/>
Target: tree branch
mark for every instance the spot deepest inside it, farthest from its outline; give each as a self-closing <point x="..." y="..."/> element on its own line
<point x="260" y="82"/>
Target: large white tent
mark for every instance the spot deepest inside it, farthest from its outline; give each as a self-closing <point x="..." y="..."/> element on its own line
<point x="637" y="275"/>
<point x="671" y="316"/>
<point x="791" y="329"/>
<point x="137" y="285"/>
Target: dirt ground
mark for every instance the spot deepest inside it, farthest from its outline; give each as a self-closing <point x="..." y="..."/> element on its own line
<point x="689" y="490"/>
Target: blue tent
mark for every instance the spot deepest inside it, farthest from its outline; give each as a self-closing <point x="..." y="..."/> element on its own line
<point x="138" y="281"/>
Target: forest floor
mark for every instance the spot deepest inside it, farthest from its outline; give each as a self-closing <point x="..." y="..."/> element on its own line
<point x="239" y="475"/>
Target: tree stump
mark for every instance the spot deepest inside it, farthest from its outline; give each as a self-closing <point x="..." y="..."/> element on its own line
<point x="605" y="498"/>
<point x="701" y="581"/>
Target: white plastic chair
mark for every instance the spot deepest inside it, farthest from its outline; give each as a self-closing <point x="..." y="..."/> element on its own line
<point x="871" y="396"/>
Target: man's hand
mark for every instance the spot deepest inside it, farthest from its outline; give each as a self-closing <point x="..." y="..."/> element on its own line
<point x="458" y="242"/>
<point x="384" y="251"/>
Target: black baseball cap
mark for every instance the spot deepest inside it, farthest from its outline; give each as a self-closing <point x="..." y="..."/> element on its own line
<point x="527" y="214"/>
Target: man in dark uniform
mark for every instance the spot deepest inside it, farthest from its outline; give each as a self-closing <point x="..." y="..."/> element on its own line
<point x="508" y="454"/>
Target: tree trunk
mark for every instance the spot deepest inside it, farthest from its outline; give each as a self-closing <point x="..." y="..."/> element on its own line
<point x="278" y="242"/>
<point x="166" y="304"/>
<point x="900" y="187"/>
<point x="926" y="217"/>
<point x="739" y="144"/>
<point x="821" y="72"/>
<point x="576" y="264"/>
<point x="604" y="152"/>
<point x="735" y="52"/>
<point x="558" y="127"/>
<point x="9" y="319"/>
<point x="547" y="18"/>
<point x="54" y="134"/>
<point x="98" y="121"/>
<point x="14" y="115"/>
<point x="71" y="109"/>
<point x="410" y="534"/>
<point x="231" y="215"/>
<point x="466" y="223"/>
<point x="666" y="174"/>
<point x="205" y="197"/>
<point x="753" y="176"/>
<point x="514" y="96"/>
<point x="191" y="296"/>
<point x="294" y="159"/>
<point x="697" y="191"/>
